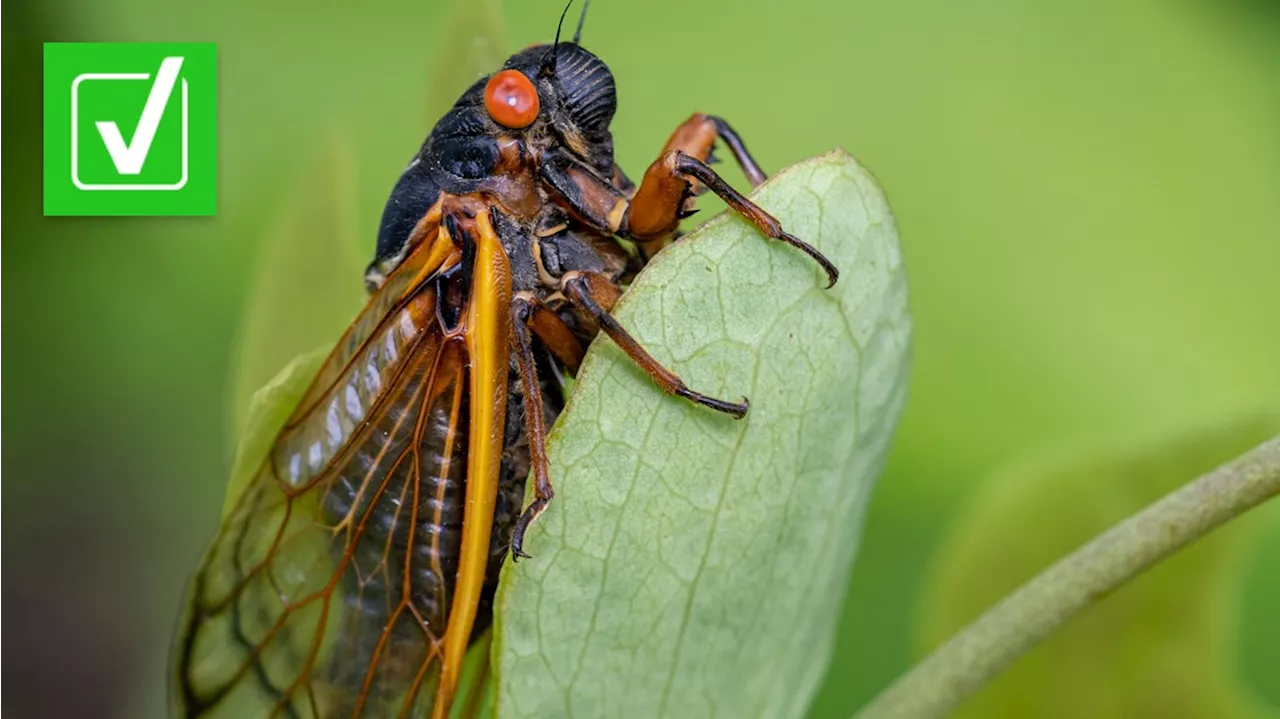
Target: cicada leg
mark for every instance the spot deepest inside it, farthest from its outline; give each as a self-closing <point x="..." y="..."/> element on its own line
<point x="697" y="136"/>
<point x="660" y="200"/>
<point x="754" y="174"/>
<point x="594" y="294"/>
<point x="523" y="308"/>
<point x="584" y="290"/>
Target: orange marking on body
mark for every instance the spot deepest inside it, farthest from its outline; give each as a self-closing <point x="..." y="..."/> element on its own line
<point x="488" y="325"/>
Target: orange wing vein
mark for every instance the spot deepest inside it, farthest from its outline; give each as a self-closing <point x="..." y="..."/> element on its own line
<point x="344" y="580"/>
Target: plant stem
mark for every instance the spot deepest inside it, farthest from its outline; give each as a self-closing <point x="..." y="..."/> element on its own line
<point x="1005" y="632"/>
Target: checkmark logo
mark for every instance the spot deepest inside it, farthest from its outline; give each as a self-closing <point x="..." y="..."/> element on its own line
<point x="129" y="158"/>
<point x="130" y="128"/>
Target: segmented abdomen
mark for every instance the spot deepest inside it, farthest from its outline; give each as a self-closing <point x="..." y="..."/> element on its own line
<point x="399" y="589"/>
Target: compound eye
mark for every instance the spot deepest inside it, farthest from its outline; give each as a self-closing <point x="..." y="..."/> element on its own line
<point x="511" y="99"/>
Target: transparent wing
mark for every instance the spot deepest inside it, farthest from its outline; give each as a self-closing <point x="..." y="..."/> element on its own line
<point x="326" y="590"/>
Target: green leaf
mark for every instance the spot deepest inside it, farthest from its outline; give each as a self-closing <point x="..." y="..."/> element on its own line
<point x="309" y="281"/>
<point x="691" y="564"/>
<point x="1259" y="652"/>
<point x="1162" y="645"/>
<point x="474" y="697"/>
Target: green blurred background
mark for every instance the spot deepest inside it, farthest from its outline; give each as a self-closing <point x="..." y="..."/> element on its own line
<point x="1088" y="195"/>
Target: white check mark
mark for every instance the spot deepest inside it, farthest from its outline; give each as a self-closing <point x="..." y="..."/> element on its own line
<point x="129" y="158"/>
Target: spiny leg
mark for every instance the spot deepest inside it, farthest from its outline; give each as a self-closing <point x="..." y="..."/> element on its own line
<point x="652" y="213"/>
<point x="697" y="136"/>
<point x="755" y="175"/>
<point x="522" y="310"/>
<point x="583" y="289"/>
<point x="555" y="335"/>
<point x="662" y="198"/>
<point x="689" y="166"/>
<point x="660" y="201"/>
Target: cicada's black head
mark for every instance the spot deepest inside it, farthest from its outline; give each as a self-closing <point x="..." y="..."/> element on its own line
<point x="577" y="94"/>
<point x="556" y="95"/>
<point x="546" y="95"/>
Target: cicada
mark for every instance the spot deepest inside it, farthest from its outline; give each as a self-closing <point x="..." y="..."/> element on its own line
<point x="353" y="573"/>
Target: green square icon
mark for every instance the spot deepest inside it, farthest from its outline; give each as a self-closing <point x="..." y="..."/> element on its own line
<point x="130" y="128"/>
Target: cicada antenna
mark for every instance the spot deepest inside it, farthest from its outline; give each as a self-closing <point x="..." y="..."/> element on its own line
<point x="549" y="64"/>
<point x="577" y="36"/>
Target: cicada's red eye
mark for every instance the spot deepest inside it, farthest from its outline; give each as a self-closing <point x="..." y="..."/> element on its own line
<point x="511" y="99"/>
